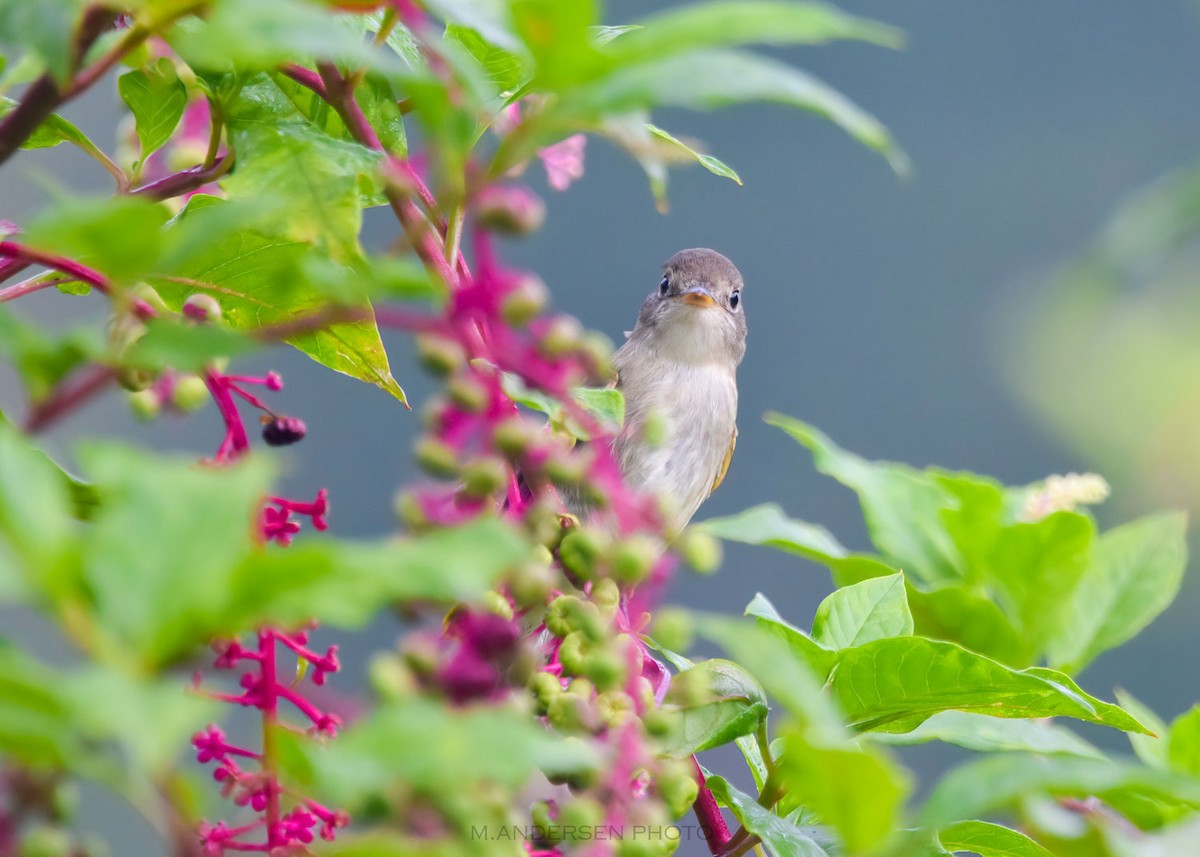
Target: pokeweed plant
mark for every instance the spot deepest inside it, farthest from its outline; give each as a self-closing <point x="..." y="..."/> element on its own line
<point x="539" y="703"/>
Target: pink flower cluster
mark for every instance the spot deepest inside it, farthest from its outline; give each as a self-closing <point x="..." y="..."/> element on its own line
<point x="260" y="789"/>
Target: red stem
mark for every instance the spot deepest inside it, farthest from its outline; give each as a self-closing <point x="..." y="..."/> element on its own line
<point x="68" y="397"/>
<point x="269" y="705"/>
<point x="236" y="441"/>
<point x="13" y="250"/>
<point x="28" y="287"/>
<point x="712" y="823"/>
<point x="184" y="180"/>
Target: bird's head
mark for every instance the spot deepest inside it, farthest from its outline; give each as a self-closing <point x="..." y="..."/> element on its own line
<point x="695" y="313"/>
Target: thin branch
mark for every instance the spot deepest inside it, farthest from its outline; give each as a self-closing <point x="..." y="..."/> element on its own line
<point x="184" y="180"/>
<point x="13" y="250"/>
<point x="29" y="286"/>
<point x="11" y="267"/>
<point x="66" y="397"/>
<point x="305" y="77"/>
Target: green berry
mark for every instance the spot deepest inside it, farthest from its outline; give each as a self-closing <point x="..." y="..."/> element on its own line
<point x="531" y="582"/>
<point x="581" y="550"/>
<point x="438" y="355"/>
<point x="544" y="688"/>
<point x="673" y="629"/>
<point x="605" y="668"/>
<point x="146" y="405"/>
<point x="615" y="708"/>
<point x="436" y="458"/>
<point x="483" y="477"/>
<point x="679" y="791"/>
<point x="189" y="392"/>
<point x="569" y="713"/>
<point x="700" y="550"/>
<point x="634" y="558"/>
<point x="525" y="302"/>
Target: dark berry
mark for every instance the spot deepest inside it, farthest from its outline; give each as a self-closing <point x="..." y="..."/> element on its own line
<point x="283" y="431"/>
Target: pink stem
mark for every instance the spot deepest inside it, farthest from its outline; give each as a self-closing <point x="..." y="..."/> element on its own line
<point x="66" y="398"/>
<point x="20" y="252"/>
<point x="712" y="823"/>
<point x="236" y="441"/>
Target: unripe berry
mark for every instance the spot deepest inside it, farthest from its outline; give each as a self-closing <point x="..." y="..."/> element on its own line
<point x="202" y="308"/>
<point x="509" y="210"/>
<point x="606" y="596"/>
<point x="439" y="356"/>
<point x="483" y="477"/>
<point x="580" y="552"/>
<point x="542" y="814"/>
<point x="604" y="668"/>
<point x="188" y="392"/>
<point x="580" y="818"/>
<point x="544" y="688"/>
<point x="146" y="405"/>
<point x="558" y="616"/>
<point x="572" y="653"/>
<point x="679" y="790"/>
<point x="514" y="437"/>
<point x="634" y="558"/>
<point x="700" y="550"/>
<point x="135" y="378"/>
<point x="673" y="629"/>
<point x="562" y="336"/>
<point x="408" y="509"/>
<point x="468" y="393"/>
<point x="46" y="841"/>
<point x="436" y="458"/>
<point x="497" y="605"/>
<point x="525" y="302"/>
<point x="569" y="713"/>
<point x="530" y="583"/>
<point x="615" y="708"/>
<point x="390" y="678"/>
<point x="597" y="352"/>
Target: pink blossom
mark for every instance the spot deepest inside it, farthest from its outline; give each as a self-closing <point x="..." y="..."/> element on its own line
<point x="564" y="161"/>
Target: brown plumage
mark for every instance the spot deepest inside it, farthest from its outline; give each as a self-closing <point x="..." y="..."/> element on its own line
<point x="678" y="373"/>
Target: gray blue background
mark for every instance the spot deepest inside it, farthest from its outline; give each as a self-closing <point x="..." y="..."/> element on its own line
<point x="871" y="300"/>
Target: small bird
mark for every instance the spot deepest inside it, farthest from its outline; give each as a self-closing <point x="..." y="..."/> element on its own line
<point x="678" y="373"/>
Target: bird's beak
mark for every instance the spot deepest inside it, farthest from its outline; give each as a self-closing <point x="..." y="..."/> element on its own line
<point x="698" y="296"/>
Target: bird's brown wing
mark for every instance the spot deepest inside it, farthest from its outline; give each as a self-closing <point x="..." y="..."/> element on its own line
<point x="725" y="464"/>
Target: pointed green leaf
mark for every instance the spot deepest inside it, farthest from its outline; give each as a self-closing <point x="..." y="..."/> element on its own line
<point x="1151" y="749"/>
<point x="896" y="684"/>
<point x="989" y="840"/>
<point x="712" y="703"/>
<point x="871" y="610"/>
<point x="1183" y="742"/>
<point x="729" y="24"/>
<point x="713" y="165"/>
<point x="780" y="835"/>
<point x="902" y="506"/>
<point x="996" y="782"/>
<point x="157" y="98"/>
<point x="858" y="791"/>
<point x="819" y="658"/>
<point x="1134" y="575"/>
<point x="960" y="615"/>
<point x="986" y="734"/>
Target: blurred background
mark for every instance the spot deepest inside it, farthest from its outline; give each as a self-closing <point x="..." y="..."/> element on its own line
<point x="1021" y="305"/>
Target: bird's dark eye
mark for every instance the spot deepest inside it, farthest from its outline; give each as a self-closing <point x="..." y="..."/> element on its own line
<point x="664" y="286"/>
<point x="735" y="299"/>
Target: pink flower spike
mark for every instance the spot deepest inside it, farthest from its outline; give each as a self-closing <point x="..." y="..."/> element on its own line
<point x="564" y="161"/>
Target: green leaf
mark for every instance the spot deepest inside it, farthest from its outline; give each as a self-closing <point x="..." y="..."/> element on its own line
<point x="780" y="835"/>
<point x="1036" y="567"/>
<point x="1151" y="749"/>
<point x="989" y="840"/>
<point x="818" y="658"/>
<point x="35" y="718"/>
<point x="729" y="24"/>
<point x="994" y="783"/>
<point x="986" y="734"/>
<point x="1134" y="575"/>
<point x="896" y="684"/>
<point x="157" y="98"/>
<point x="186" y="347"/>
<point x="159" y="558"/>
<point x="319" y="179"/>
<point x="713" y="703"/>
<point x="786" y="677"/>
<point x="961" y="615"/>
<point x="605" y="404"/>
<point x="766" y="524"/>
<point x="346" y="583"/>
<point x="259" y="279"/>
<point x="36" y="532"/>
<point x="713" y="165"/>
<point x="1183" y="742"/>
<point x="504" y="68"/>
<point x="45" y="30"/>
<point x="856" y="791"/>
<point x="96" y="232"/>
<point x="53" y="131"/>
<point x="902" y="506"/>
<point x="432" y="749"/>
<point x="263" y="34"/>
<point x="43" y="360"/>
<point x="871" y="610"/>
<point x="706" y="79"/>
<point x="148" y="718"/>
